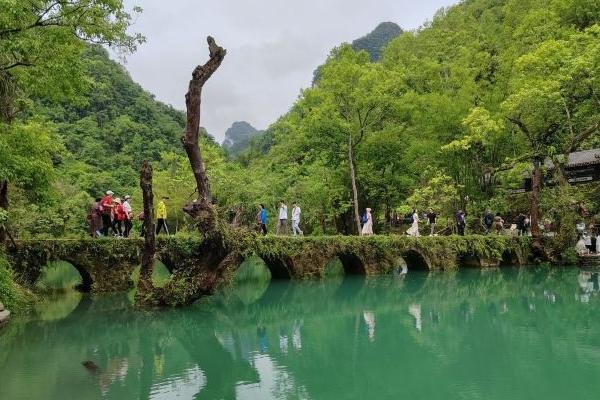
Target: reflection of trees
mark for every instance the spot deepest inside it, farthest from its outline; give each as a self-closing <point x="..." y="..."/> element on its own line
<point x="106" y="330"/>
<point x="358" y="337"/>
<point x="498" y="319"/>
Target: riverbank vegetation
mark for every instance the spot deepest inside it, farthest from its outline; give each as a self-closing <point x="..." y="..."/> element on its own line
<point x="12" y="295"/>
<point x="452" y="115"/>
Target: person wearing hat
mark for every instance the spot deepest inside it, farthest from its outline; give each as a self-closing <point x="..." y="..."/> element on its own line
<point x="119" y="216"/>
<point x="128" y="215"/>
<point x="161" y="216"/>
<point x="107" y="213"/>
<point x="94" y="218"/>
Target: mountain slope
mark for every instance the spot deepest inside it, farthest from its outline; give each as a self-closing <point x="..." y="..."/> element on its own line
<point x="238" y="137"/>
<point x="374" y="42"/>
<point x="115" y="126"/>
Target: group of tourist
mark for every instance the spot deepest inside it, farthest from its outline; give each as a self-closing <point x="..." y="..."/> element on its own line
<point x="282" y="221"/>
<point x="113" y="215"/>
<point x="490" y="222"/>
<point x="495" y="223"/>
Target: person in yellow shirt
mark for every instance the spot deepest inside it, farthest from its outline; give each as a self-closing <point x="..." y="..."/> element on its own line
<point x="161" y="216"/>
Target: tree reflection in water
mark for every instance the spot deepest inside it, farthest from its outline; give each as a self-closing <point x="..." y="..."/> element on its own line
<point x="497" y="332"/>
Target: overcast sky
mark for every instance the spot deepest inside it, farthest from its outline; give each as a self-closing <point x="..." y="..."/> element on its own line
<point x="273" y="46"/>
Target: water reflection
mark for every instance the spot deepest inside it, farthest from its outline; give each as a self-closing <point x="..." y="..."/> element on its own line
<point x="496" y="334"/>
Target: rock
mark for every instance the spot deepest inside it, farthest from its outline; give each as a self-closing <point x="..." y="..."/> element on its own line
<point x="4" y="316"/>
<point x="1" y="306"/>
<point x="91" y="366"/>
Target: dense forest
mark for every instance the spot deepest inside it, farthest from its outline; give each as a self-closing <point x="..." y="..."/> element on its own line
<point x="452" y="115"/>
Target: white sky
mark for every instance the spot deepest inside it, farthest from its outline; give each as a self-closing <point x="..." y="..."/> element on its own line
<point x="273" y="46"/>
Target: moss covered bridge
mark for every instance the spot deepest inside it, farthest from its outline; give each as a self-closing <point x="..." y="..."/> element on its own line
<point x="198" y="265"/>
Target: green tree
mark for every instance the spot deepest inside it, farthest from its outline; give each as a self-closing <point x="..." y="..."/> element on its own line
<point x="354" y="98"/>
<point x="41" y="42"/>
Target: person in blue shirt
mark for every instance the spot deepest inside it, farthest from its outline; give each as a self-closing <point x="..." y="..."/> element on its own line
<point x="261" y="218"/>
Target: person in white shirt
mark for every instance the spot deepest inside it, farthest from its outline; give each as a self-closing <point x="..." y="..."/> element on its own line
<point x="296" y="211"/>
<point x="282" y="225"/>
<point x="128" y="215"/>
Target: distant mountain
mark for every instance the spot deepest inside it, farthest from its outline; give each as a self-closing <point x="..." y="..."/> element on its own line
<point x="373" y="43"/>
<point x="238" y="137"/>
<point x="113" y="127"/>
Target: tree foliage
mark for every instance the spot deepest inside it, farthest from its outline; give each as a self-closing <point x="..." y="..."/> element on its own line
<point x="451" y="116"/>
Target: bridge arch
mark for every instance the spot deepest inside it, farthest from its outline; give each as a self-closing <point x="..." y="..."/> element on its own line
<point x="85" y="285"/>
<point x="333" y="268"/>
<point x="161" y="274"/>
<point x="416" y="260"/>
<point x="279" y="266"/>
<point x="166" y="261"/>
<point x="352" y="264"/>
<point x="512" y="258"/>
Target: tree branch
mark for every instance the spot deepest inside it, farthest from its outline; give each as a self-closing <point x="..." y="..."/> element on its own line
<point x="512" y="163"/>
<point x="193" y="101"/>
<point x="16" y="64"/>
<point x="583" y="135"/>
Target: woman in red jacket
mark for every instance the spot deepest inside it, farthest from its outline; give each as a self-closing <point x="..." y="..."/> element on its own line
<point x="120" y="216"/>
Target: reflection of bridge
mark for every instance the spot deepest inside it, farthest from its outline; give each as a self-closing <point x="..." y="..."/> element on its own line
<point x="333" y="350"/>
<point x="106" y="265"/>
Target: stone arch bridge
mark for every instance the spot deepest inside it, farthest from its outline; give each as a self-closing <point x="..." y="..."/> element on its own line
<point x="198" y="265"/>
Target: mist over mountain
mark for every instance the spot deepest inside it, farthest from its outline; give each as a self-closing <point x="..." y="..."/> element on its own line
<point x="238" y="137"/>
<point x="373" y="43"/>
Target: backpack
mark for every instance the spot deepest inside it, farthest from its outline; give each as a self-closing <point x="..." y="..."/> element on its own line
<point x="409" y="218"/>
<point x="120" y="212"/>
<point x="488" y="219"/>
<point x="364" y="219"/>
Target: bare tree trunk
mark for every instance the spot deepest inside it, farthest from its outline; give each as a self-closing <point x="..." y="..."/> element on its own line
<point x="145" y="285"/>
<point x="202" y="208"/>
<point x="354" y="189"/>
<point x="535" y="200"/>
<point x="238" y="210"/>
<point x="4" y="206"/>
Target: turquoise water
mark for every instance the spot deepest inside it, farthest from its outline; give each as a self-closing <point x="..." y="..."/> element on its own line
<point x="501" y="334"/>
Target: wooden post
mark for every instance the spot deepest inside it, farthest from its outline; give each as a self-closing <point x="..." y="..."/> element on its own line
<point x="145" y="285"/>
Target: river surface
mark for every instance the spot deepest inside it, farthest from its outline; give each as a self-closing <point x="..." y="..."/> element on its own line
<point x="499" y="334"/>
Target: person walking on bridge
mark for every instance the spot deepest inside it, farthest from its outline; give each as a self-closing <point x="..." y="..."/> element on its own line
<point x="95" y="218"/>
<point x="261" y="218"/>
<point x="414" y="229"/>
<point x="282" y="224"/>
<point x="107" y="213"/>
<point x="499" y="224"/>
<point x="119" y="215"/>
<point x="128" y="215"/>
<point x="432" y="217"/>
<point x="296" y="211"/>
<point x="161" y="216"/>
<point x="488" y="221"/>
<point x="367" y="229"/>
<point x="461" y="222"/>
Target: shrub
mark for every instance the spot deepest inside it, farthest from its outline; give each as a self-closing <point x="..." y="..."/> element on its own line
<point x="12" y="295"/>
